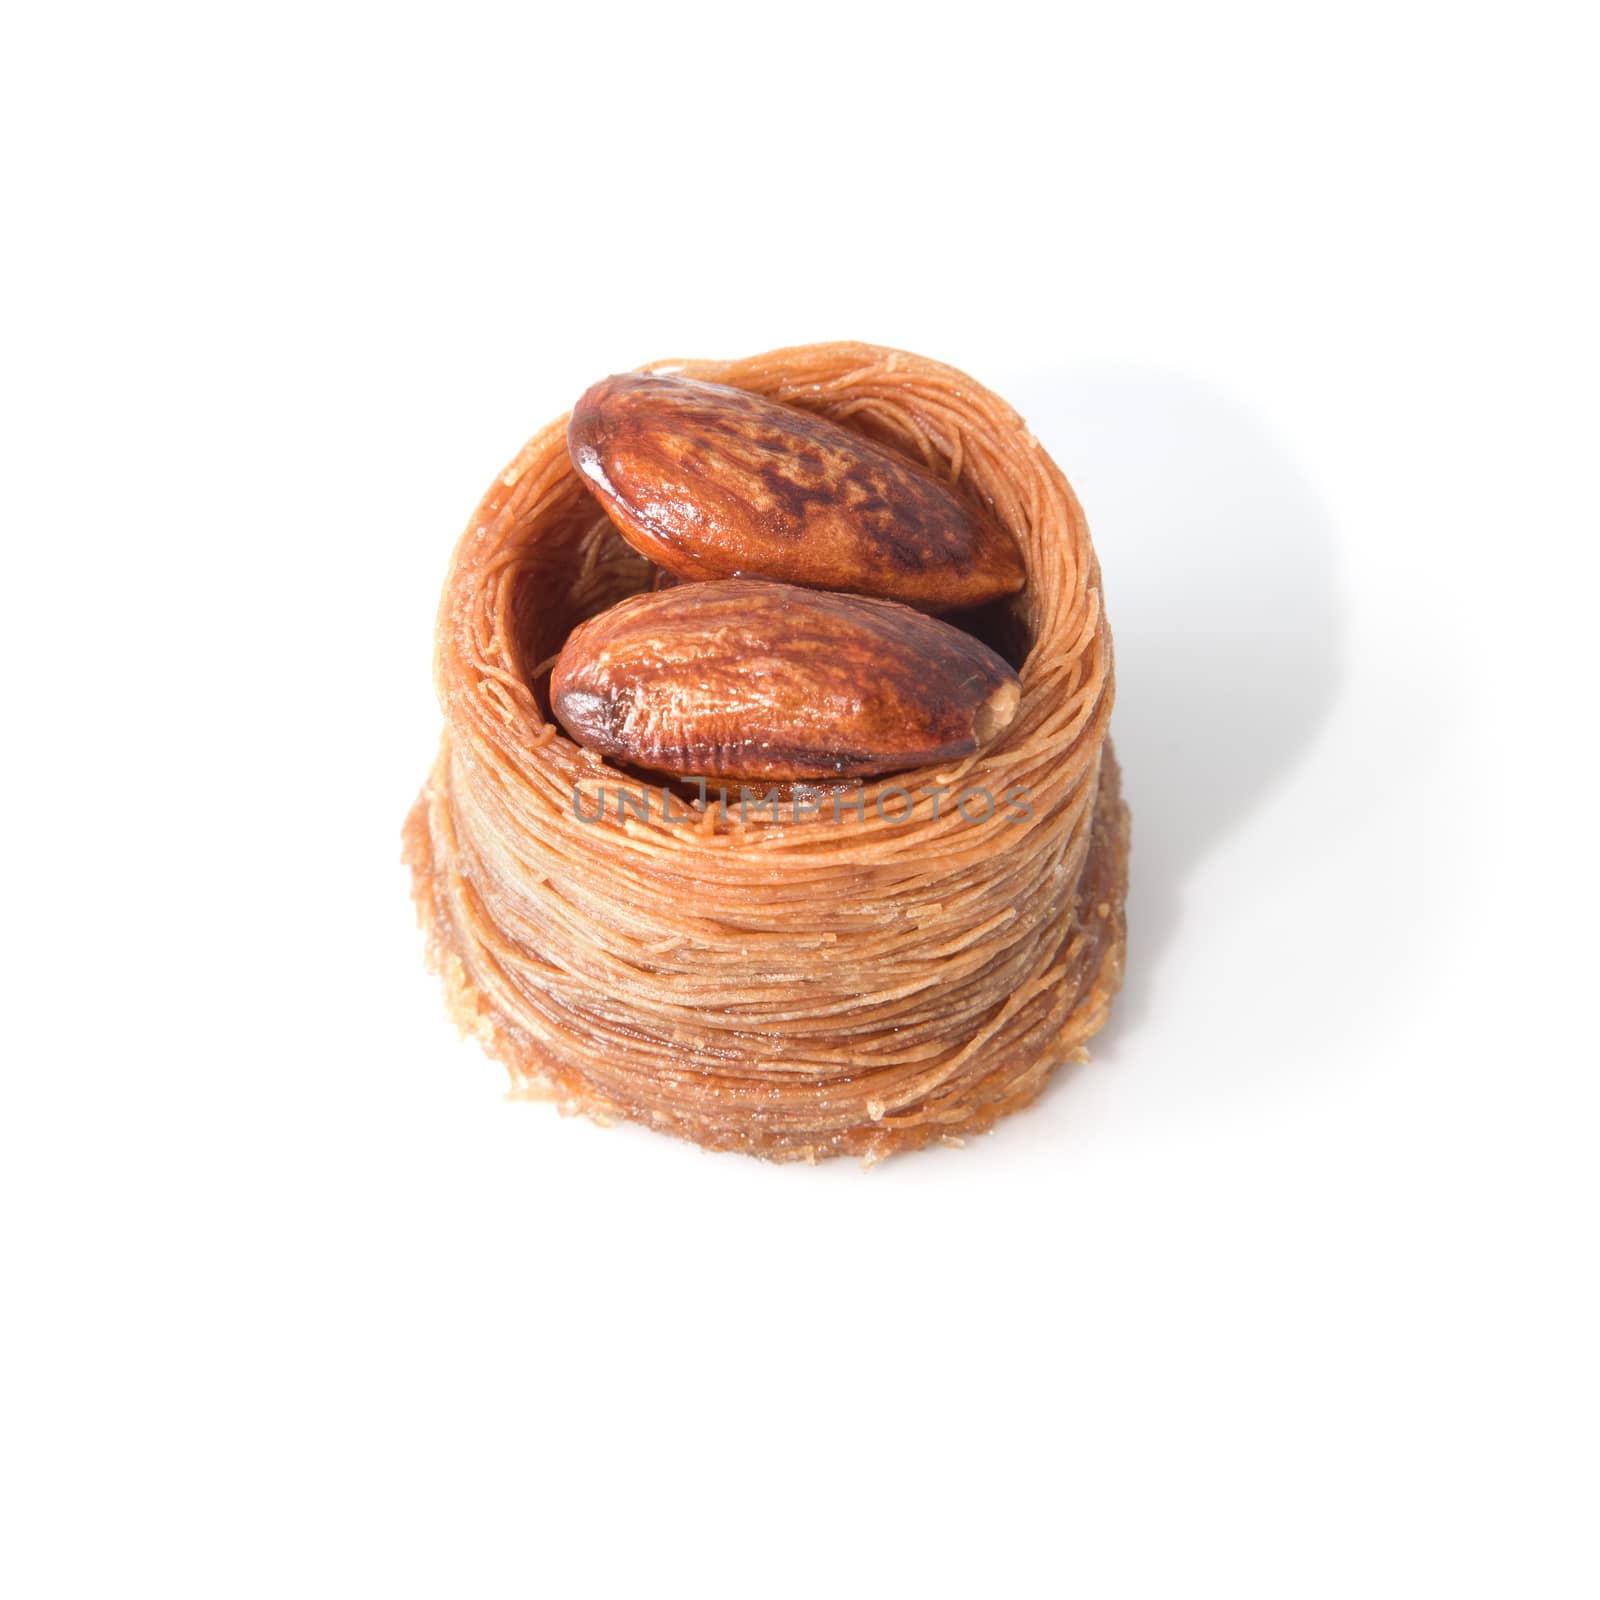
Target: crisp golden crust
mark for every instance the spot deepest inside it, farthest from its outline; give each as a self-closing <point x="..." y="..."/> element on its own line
<point x="859" y="983"/>
<point x="1089" y="960"/>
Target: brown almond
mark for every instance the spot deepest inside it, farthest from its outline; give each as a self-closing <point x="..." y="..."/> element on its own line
<point x="745" y="679"/>
<point x="712" y="482"/>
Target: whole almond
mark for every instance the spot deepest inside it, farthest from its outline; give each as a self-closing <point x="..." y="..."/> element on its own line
<point x="747" y="679"/>
<point x="712" y="482"/>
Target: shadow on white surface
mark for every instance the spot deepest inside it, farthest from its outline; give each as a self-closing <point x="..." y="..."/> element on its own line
<point x="1223" y="592"/>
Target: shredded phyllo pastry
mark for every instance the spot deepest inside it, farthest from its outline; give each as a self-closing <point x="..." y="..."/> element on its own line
<point x="853" y="971"/>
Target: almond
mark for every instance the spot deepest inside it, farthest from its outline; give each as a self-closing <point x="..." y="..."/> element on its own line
<point x="746" y="679"/>
<point x="712" y="482"/>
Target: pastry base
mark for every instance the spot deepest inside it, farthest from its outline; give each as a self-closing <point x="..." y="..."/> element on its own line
<point x="1091" y="946"/>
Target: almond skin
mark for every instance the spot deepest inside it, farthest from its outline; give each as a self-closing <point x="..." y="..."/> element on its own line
<point x="744" y="679"/>
<point x="712" y="482"/>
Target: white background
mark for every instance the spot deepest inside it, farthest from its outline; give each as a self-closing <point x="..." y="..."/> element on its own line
<point x="1289" y="1292"/>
